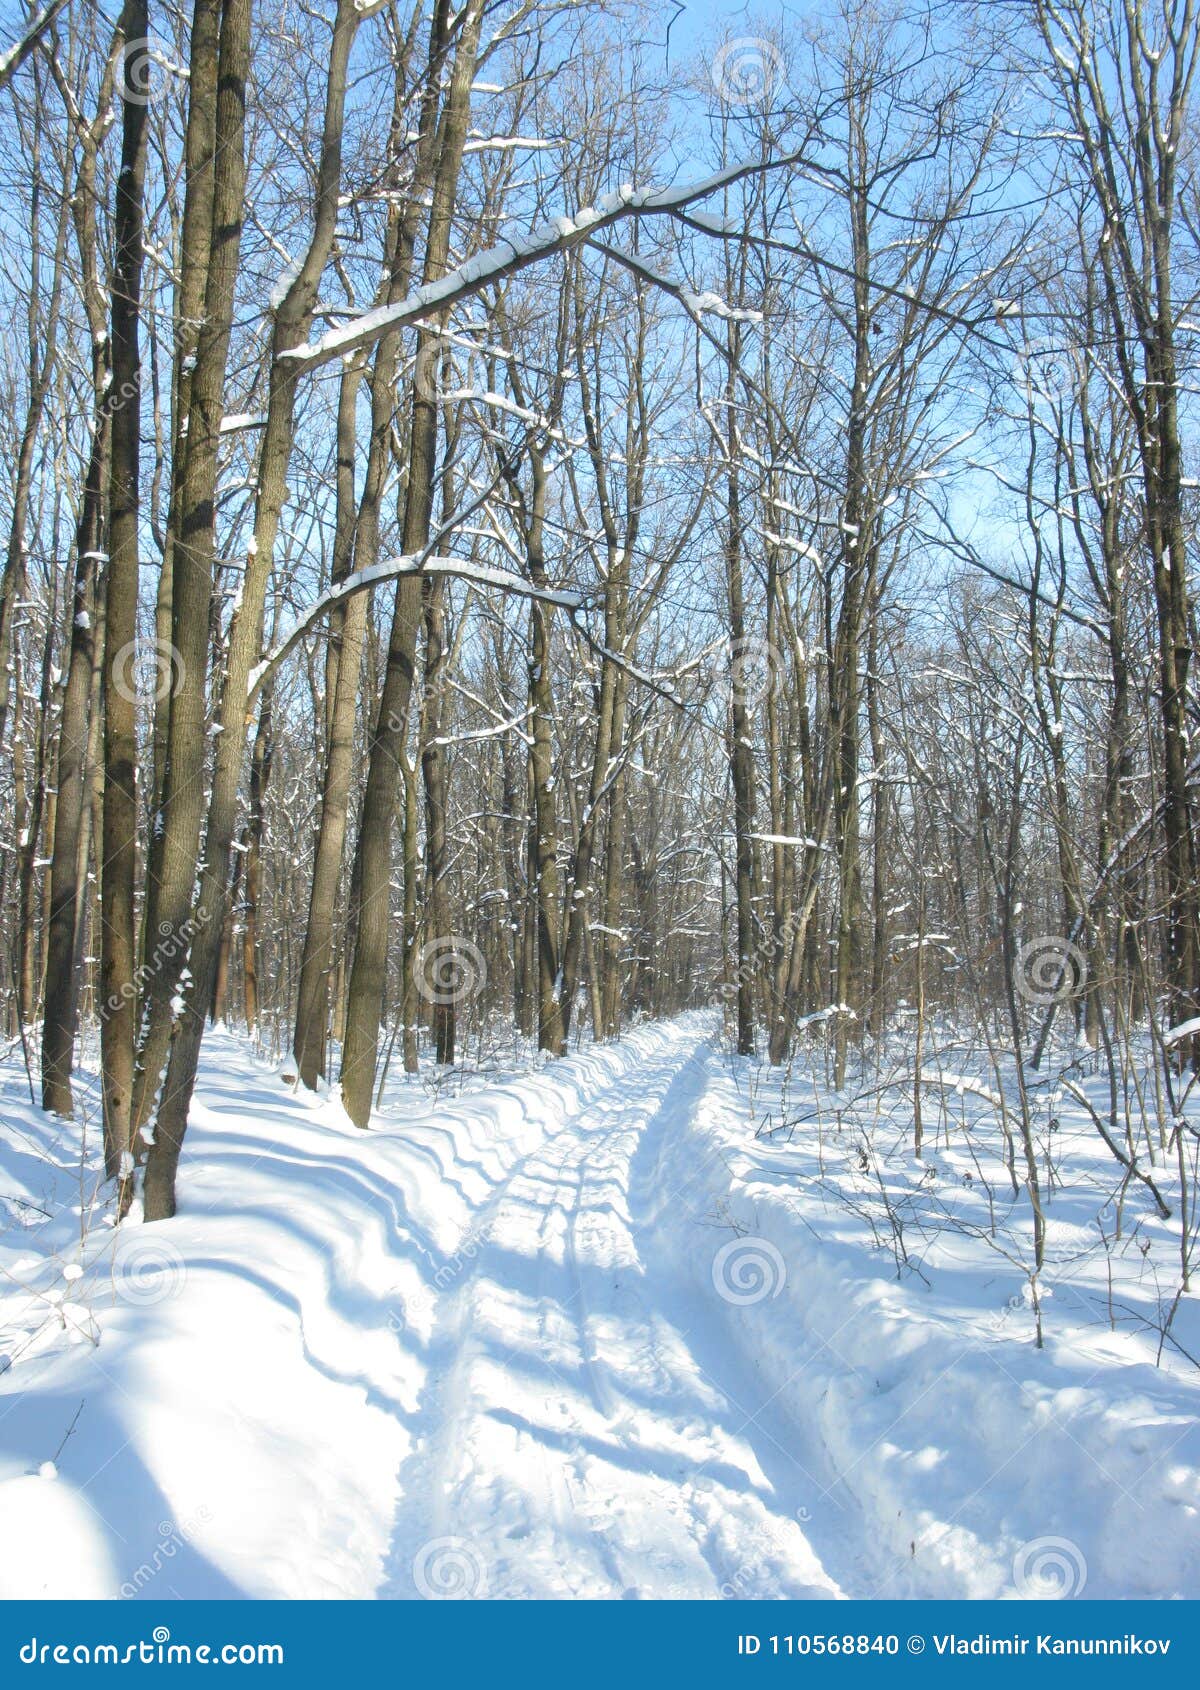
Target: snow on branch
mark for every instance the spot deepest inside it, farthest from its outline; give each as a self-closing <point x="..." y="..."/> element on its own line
<point x="961" y="1084"/>
<point x="393" y="569"/>
<point x="12" y="60"/>
<point x="517" y="251"/>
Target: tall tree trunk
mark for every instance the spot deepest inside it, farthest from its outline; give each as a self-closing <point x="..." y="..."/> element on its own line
<point x="260" y="775"/>
<point x="410" y="1007"/>
<point x="343" y="670"/>
<point x="542" y="847"/>
<point x="292" y="318"/>
<point x="438" y="938"/>
<point x="1171" y="562"/>
<point x="219" y="1014"/>
<point x="212" y="227"/>
<point x="877" y="1005"/>
<point x="741" y="754"/>
<point x="844" y="687"/>
<point x="374" y="853"/>
<point x="42" y="355"/>
<point x="28" y="924"/>
<point x="81" y="724"/>
<point x="60" y="1013"/>
<point x="614" y="885"/>
<point x="118" y="959"/>
<point x="518" y="896"/>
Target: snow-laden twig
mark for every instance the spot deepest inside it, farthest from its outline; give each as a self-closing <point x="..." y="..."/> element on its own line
<point x="12" y="60"/>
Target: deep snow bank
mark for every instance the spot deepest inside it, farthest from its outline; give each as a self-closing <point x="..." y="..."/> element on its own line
<point x="966" y="1462"/>
<point x="220" y="1405"/>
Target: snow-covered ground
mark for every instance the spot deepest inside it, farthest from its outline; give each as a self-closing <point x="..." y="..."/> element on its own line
<point x="640" y="1323"/>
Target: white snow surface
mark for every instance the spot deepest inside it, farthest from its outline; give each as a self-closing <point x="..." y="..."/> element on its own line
<point x="594" y="1329"/>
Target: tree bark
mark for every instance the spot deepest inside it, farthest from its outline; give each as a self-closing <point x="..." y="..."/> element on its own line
<point x="212" y="228"/>
<point x="118" y="943"/>
<point x="374" y="853"/>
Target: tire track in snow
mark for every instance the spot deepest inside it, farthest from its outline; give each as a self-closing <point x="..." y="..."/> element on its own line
<point x="567" y="1436"/>
<point x="789" y="1447"/>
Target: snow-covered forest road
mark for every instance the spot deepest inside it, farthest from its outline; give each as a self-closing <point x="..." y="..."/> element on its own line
<point x="594" y="1329"/>
<point x="590" y="1419"/>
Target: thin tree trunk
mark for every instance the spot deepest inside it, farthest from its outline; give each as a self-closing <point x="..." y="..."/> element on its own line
<point x="409" y="997"/>
<point x="312" y="1004"/>
<point x="260" y="775"/>
<point x="60" y="1013"/>
<point x="433" y="772"/>
<point x="741" y="757"/>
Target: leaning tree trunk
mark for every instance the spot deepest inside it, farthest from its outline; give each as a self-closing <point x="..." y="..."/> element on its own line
<point x="36" y="814"/>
